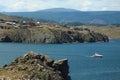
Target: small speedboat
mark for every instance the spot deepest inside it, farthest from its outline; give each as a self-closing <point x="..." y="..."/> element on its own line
<point x="96" y="55"/>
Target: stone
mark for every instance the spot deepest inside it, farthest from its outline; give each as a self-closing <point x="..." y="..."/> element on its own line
<point x="62" y="66"/>
<point x="33" y="66"/>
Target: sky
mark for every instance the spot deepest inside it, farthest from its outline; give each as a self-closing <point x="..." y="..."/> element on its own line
<point x="82" y="5"/>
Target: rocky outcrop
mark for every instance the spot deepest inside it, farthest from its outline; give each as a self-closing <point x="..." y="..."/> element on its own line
<point x="62" y="65"/>
<point x="47" y="35"/>
<point x="33" y="66"/>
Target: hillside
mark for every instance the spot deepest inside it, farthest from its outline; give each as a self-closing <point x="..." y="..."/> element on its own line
<point x="50" y="35"/>
<point x="112" y="32"/>
<point x="33" y="32"/>
<point x="16" y="18"/>
<point x="70" y="15"/>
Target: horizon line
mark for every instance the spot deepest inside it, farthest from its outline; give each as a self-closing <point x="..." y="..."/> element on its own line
<point x="66" y="9"/>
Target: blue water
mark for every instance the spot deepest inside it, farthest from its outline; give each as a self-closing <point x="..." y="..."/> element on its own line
<point x="82" y="66"/>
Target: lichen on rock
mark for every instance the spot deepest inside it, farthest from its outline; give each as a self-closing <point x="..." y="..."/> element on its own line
<point x="33" y="66"/>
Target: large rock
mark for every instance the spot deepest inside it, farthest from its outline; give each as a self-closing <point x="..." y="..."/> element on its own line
<point x="33" y="66"/>
<point x="62" y="65"/>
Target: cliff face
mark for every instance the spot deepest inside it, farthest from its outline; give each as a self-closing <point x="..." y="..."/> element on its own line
<point x="48" y="35"/>
<point x="33" y="66"/>
<point x="112" y="31"/>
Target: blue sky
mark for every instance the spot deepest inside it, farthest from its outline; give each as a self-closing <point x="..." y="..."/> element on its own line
<point x="82" y="5"/>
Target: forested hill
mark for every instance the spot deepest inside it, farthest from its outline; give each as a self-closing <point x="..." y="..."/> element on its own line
<point x="71" y="15"/>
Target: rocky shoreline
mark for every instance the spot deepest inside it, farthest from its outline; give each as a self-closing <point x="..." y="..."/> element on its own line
<point x="33" y="66"/>
<point x="112" y="31"/>
<point x="51" y="35"/>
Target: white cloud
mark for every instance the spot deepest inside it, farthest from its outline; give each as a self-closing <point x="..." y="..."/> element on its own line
<point x="104" y="9"/>
<point x="84" y="5"/>
<point x="18" y="6"/>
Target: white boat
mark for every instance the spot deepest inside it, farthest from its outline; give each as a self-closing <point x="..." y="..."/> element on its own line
<point x="96" y="55"/>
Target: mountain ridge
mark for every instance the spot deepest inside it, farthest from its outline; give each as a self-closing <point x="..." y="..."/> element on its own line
<point x="71" y="15"/>
<point x="58" y="10"/>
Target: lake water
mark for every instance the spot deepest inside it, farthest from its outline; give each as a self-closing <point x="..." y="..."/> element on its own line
<point x="82" y="66"/>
